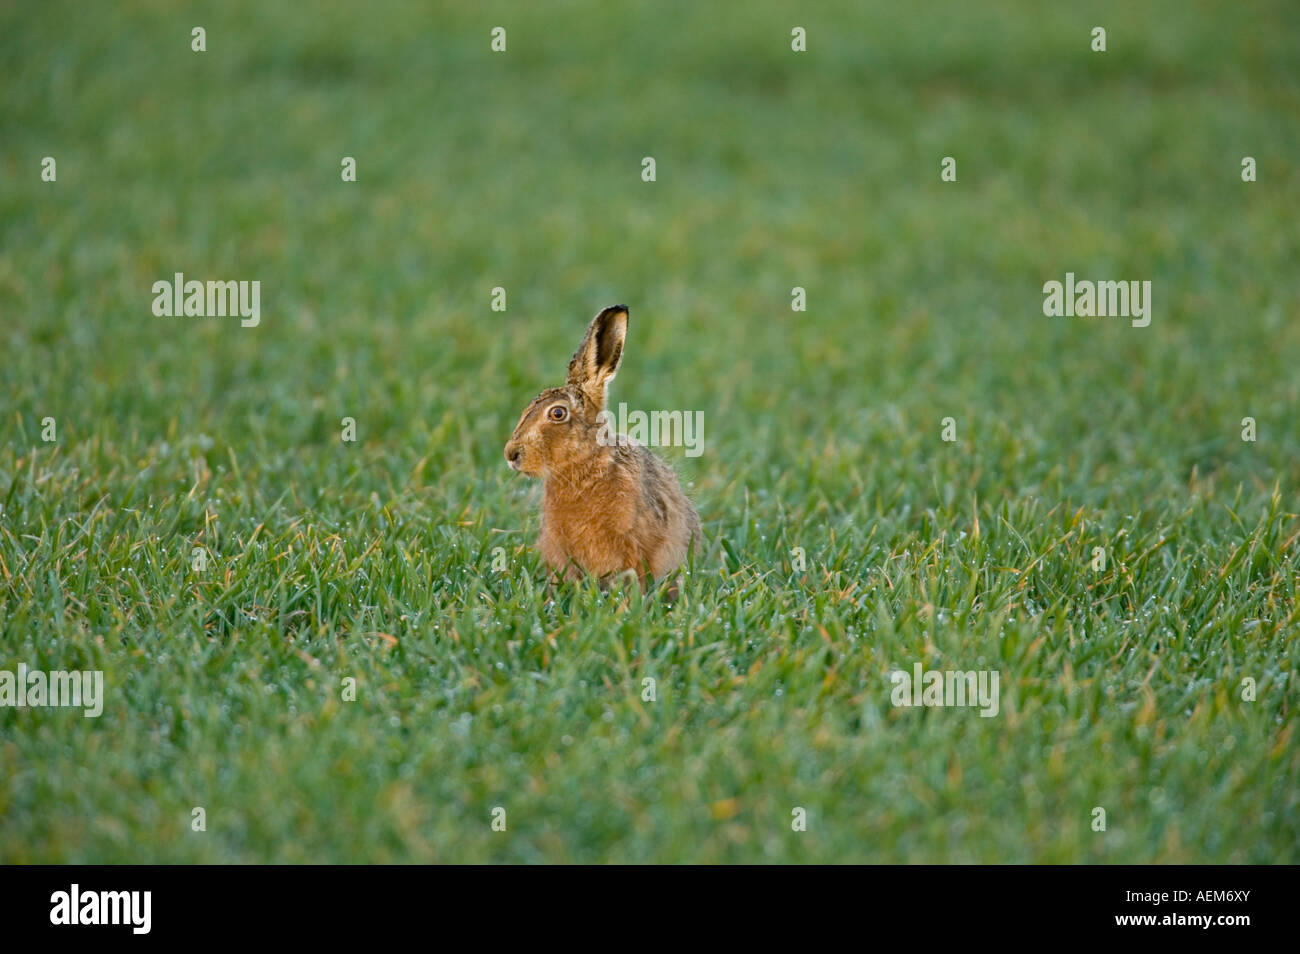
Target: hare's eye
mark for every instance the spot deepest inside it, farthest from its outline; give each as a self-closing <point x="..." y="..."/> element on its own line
<point x="558" y="412"/>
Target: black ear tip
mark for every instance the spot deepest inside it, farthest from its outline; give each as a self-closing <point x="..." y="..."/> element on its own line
<point x="615" y="309"/>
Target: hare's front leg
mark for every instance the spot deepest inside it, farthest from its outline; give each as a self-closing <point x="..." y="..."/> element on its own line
<point x="673" y="588"/>
<point x="626" y="582"/>
<point x="557" y="557"/>
<point x="566" y="572"/>
<point x="625" y="579"/>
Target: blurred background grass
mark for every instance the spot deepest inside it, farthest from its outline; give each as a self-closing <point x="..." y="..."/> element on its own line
<point x="775" y="169"/>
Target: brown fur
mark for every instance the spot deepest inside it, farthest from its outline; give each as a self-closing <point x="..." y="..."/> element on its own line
<point x="608" y="508"/>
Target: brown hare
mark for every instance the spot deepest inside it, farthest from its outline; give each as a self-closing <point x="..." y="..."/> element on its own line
<point x="610" y="507"/>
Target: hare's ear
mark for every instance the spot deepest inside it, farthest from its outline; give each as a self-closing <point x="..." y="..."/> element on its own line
<point x="596" y="361"/>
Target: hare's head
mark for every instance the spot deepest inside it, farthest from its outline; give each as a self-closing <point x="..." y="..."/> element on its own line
<point x="560" y="427"/>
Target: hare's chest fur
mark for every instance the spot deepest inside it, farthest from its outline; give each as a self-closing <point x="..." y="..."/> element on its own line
<point x="591" y="526"/>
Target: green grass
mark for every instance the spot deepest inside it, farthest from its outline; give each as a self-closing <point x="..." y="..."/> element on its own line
<point x="1121" y="688"/>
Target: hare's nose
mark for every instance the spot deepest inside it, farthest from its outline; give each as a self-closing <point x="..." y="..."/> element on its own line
<point x="513" y="453"/>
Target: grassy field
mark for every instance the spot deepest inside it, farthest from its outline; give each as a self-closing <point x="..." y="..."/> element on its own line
<point x="1121" y="687"/>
